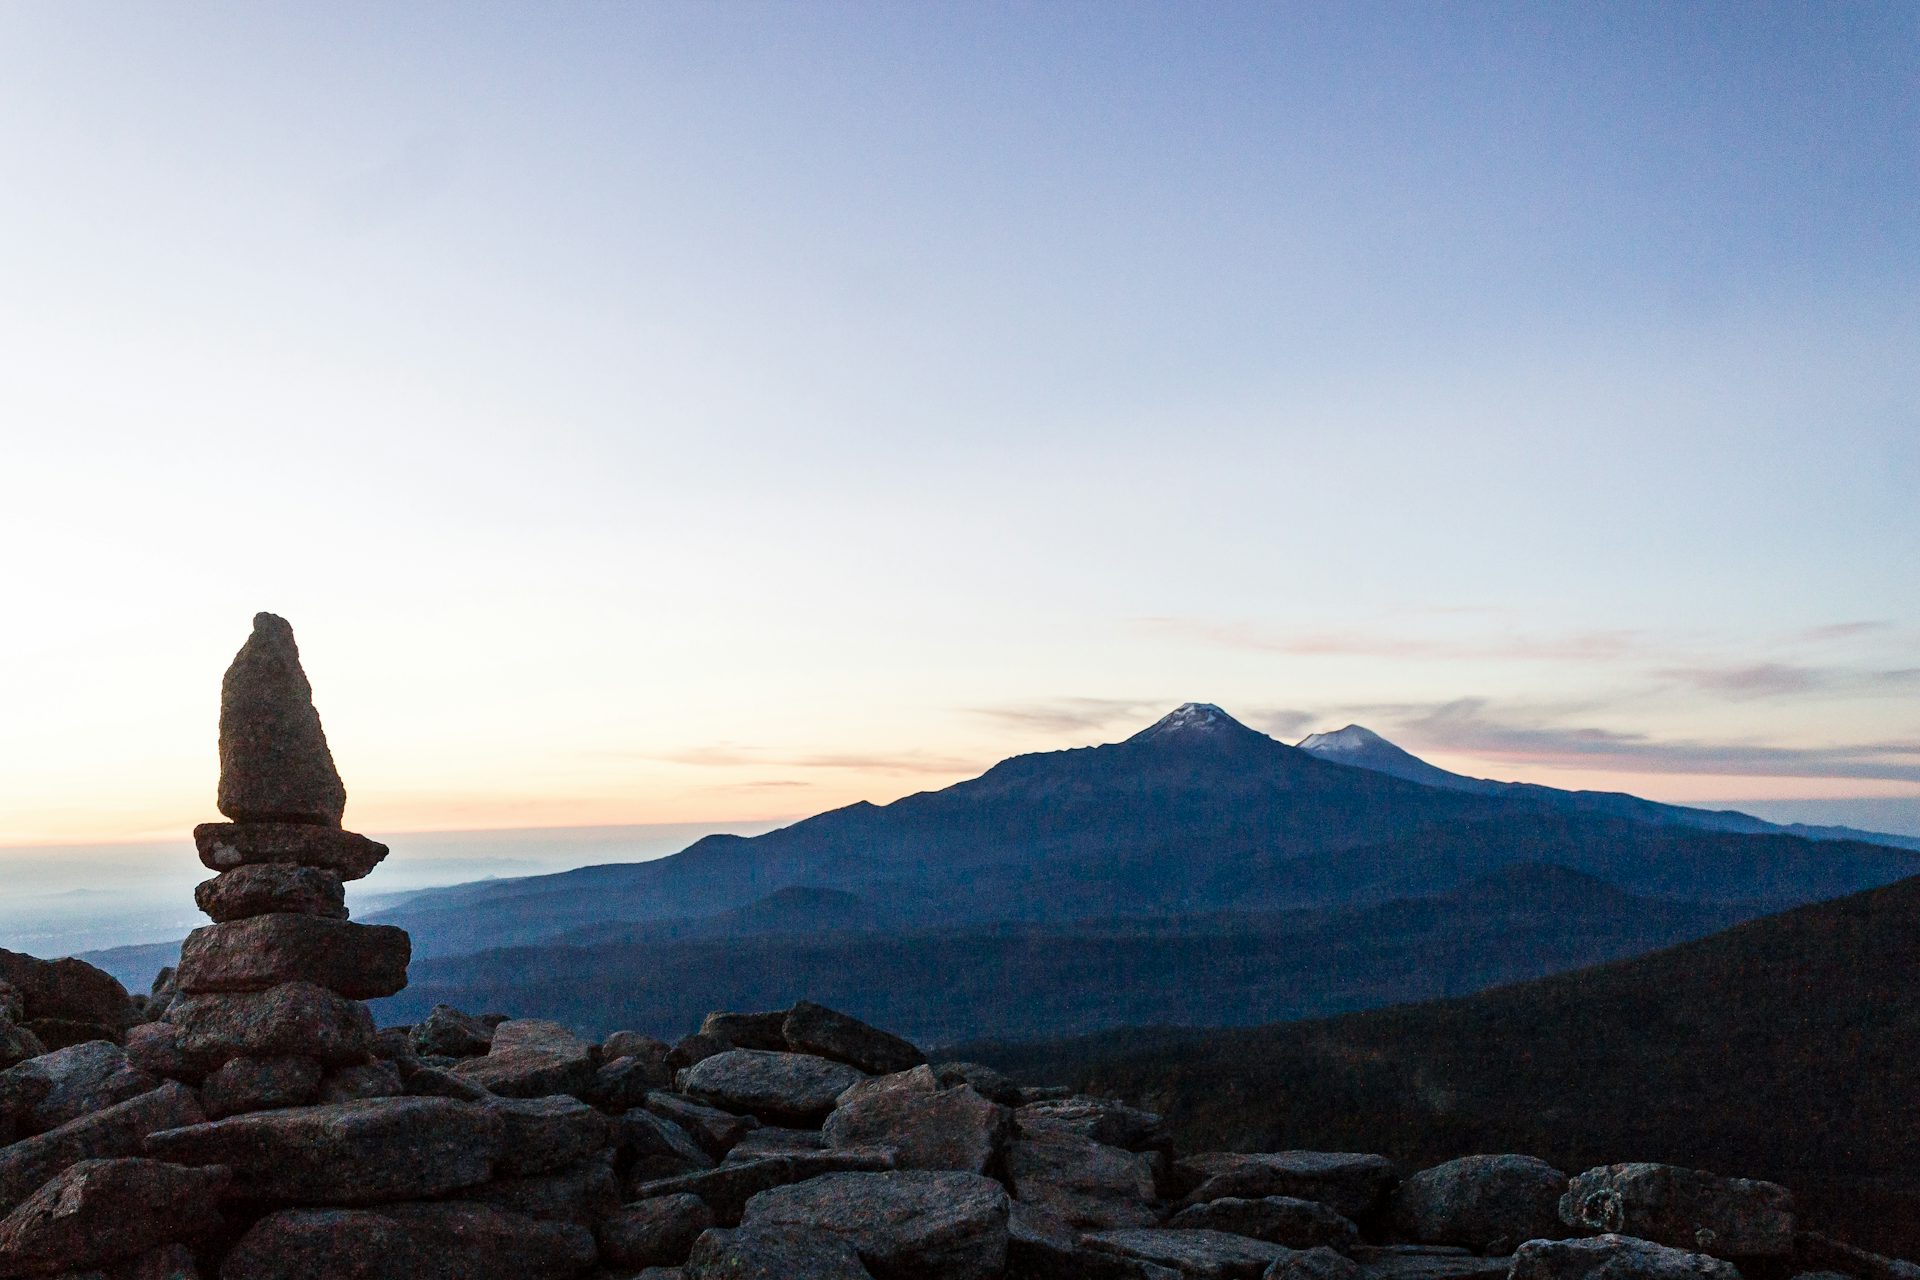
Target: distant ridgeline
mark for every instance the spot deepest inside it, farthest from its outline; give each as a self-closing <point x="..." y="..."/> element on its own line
<point x="1198" y="873"/>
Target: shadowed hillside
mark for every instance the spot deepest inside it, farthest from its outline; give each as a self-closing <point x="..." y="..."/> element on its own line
<point x="1783" y="1048"/>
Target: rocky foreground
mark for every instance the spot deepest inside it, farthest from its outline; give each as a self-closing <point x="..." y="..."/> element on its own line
<point x="246" y="1120"/>
<point x="797" y="1143"/>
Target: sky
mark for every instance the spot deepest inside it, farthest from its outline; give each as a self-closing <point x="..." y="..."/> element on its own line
<point x="716" y="413"/>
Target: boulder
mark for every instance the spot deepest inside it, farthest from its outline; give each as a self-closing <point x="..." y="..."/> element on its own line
<point x="585" y="1191"/>
<point x="368" y="1080"/>
<point x="690" y="1049"/>
<point x="920" y="1079"/>
<point x="19" y="1095"/>
<point x="715" y="1130"/>
<point x="384" y="1149"/>
<point x="274" y="761"/>
<point x="1427" y="1262"/>
<point x="543" y="1134"/>
<point x="17" y="1044"/>
<point x="728" y="1188"/>
<point x="1479" y="1201"/>
<point x="1683" y="1208"/>
<point x="100" y="1211"/>
<point x="264" y="888"/>
<point x="431" y="1082"/>
<point x="651" y="1147"/>
<point x="988" y="1083"/>
<point x="1042" y="1247"/>
<point x="1297" y="1224"/>
<point x="1614" y="1257"/>
<point x="1085" y="1184"/>
<point x="1102" y="1120"/>
<point x="631" y="1044"/>
<point x="1815" y="1252"/>
<point x="225" y="845"/>
<point x="359" y="961"/>
<point x="168" y="1262"/>
<point x="447" y="1240"/>
<point x="67" y="990"/>
<point x="827" y="1033"/>
<point x="80" y="1079"/>
<point x="654" y="1233"/>
<point x="748" y="1030"/>
<point x="771" y="1140"/>
<point x="447" y="1032"/>
<point x="773" y="1253"/>
<point x="155" y="1047"/>
<point x="295" y="1019"/>
<point x="1317" y="1263"/>
<point x="256" y="1084"/>
<point x="904" y="1225"/>
<point x="1348" y="1183"/>
<point x="120" y="1130"/>
<point x="13" y="1001"/>
<point x="951" y="1129"/>
<point x="531" y="1058"/>
<point x="781" y="1087"/>
<point x="1205" y="1255"/>
<point x="64" y="1033"/>
<point x="624" y="1083"/>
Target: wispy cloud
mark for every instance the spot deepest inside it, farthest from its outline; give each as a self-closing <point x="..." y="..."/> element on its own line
<point x="1476" y="726"/>
<point x="904" y="762"/>
<point x="1070" y="715"/>
<point x="1572" y="646"/>
<point x="1775" y="679"/>
<point x="1843" y="630"/>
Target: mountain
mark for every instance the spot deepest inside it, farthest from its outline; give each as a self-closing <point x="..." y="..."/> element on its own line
<point x="1035" y="980"/>
<point x="1362" y="748"/>
<point x="1781" y="1048"/>
<point x="1195" y="814"/>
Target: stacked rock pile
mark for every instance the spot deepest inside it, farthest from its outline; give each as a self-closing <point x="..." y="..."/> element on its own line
<point x="252" y="1125"/>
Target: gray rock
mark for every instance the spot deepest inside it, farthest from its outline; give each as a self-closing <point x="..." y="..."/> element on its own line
<point x="1042" y="1247"/>
<point x="1101" y="1120"/>
<point x="531" y="1058"/>
<point x="224" y="846"/>
<point x="17" y="1044"/>
<point x="773" y="1253"/>
<point x="268" y="887"/>
<point x="101" y="1211"/>
<point x="715" y="1130"/>
<point x="1427" y="1262"/>
<point x="1317" y="1263"/>
<point x="1206" y="1255"/>
<point x="728" y="1188"/>
<point x="1683" y="1208"/>
<point x="1349" y="1183"/>
<point x="274" y="761"/>
<point x="951" y="1129"/>
<point x="988" y="1083"/>
<point x="64" y="1033"/>
<point x="1085" y="1184"/>
<point x="450" y="1033"/>
<point x="168" y="1262"/>
<point x="748" y="1030"/>
<point x="120" y="1130"/>
<point x="384" y="1149"/>
<point x="1298" y="1224"/>
<point x="1480" y="1200"/>
<point x="423" y="1081"/>
<point x="903" y="1225"/>
<point x="80" y="1080"/>
<point x="368" y="1080"/>
<point x="652" y="1147"/>
<point x="1614" y="1257"/>
<point x="543" y="1134"/>
<point x="585" y="1192"/>
<point x="920" y="1079"/>
<point x="359" y="961"/>
<point x="654" y="1233"/>
<point x="296" y="1019"/>
<point x="778" y="1087"/>
<point x="631" y="1044"/>
<point x="13" y="1001"/>
<point x="19" y="1095"/>
<point x="816" y="1029"/>
<point x="256" y="1084"/>
<point x="624" y="1083"/>
<point x="67" y="990"/>
<point x="448" y="1240"/>
<point x="1816" y="1252"/>
<point x="154" y="1047"/>
<point x="691" y="1049"/>
<point x="771" y="1140"/>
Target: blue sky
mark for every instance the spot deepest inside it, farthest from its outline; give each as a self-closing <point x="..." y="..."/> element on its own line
<point x="672" y="413"/>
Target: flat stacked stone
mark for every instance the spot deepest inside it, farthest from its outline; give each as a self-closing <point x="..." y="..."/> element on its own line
<point x="268" y="996"/>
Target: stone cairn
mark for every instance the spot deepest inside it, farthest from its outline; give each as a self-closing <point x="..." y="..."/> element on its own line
<point x="248" y="1123"/>
<point x="269" y="994"/>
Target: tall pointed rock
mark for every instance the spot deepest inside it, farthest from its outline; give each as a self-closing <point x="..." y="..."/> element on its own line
<point x="274" y="761"/>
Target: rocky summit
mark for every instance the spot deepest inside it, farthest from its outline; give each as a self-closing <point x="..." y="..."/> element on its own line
<point x="247" y="1121"/>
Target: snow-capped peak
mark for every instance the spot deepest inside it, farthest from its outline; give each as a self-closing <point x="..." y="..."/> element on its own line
<point x="1351" y="740"/>
<point x="1190" y="720"/>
